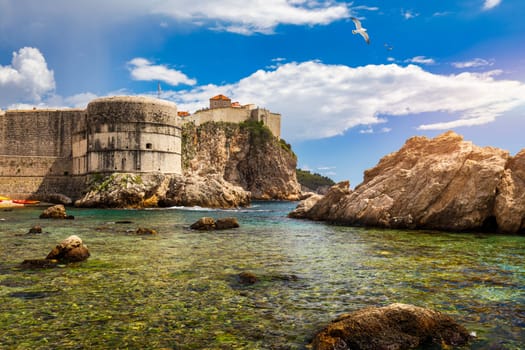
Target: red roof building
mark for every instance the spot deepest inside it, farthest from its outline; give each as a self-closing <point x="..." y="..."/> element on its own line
<point x="220" y="101"/>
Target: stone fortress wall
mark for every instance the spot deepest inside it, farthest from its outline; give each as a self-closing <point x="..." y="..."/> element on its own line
<point x="128" y="134"/>
<point x="238" y="115"/>
<point x="43" y="152"/>
<point x="54" y="151"/>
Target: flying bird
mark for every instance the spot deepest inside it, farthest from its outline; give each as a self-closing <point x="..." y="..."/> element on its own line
<point x="360" y="30"/>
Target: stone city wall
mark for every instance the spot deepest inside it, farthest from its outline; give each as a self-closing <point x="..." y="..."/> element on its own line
<point x="54" y="151"/>
<point x="238" y="115"/>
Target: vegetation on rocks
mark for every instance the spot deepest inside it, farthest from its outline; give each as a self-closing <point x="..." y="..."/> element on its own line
<point x="313" y="180"/>
<point x="245" y="154"/>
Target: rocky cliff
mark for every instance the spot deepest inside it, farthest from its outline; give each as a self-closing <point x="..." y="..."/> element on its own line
<point x="245" y="154"/>
<point x="225" y="165"/>
<point x="444" y="183"/>
<point x="126" y="190"/>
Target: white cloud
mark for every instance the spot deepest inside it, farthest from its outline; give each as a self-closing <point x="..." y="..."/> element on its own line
<point x="26" y="79"/>
<point x="238" y="16"/>
<point x="317" y="100"/>
<point x="421" y="60"/>
<point x="409" y="14"/>
<point x="370" y="130"/>
<point x="142" y="69"/>
<point x="476" y="62"/>
<point x="253" y="16"/>
<point x="441" y="14"/>
<point x="366" y="8"/>
<point x="490" y="4"/>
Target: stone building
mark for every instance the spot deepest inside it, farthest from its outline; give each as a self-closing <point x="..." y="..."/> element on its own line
<point x="53" y="151"/>
<point x="56" y="151"/>
<point x="235" y="113"/>
<point x="220" y="101"/>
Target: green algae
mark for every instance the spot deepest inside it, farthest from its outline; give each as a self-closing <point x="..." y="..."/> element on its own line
<point x="179" y="291"/>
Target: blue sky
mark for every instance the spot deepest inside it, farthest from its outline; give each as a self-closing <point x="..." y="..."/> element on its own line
<point x="431" y="66"/>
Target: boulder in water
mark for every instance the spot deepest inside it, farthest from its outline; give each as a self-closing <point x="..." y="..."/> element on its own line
<point x="55" y="212"/>
<point x="397" y="327"/>
<point x="71" y="249"/>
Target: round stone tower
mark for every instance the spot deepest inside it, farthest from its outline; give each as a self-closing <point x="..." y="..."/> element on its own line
<point x="130" y="134"/>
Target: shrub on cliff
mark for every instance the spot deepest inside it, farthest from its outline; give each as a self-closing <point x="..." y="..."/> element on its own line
<point x="313" y="181"/>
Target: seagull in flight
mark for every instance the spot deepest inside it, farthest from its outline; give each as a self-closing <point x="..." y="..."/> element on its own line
<point x="360" y="30"/>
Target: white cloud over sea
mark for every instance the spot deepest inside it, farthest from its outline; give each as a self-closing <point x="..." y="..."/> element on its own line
<point x="319" y="100"/>
<point x="316" y="100"/>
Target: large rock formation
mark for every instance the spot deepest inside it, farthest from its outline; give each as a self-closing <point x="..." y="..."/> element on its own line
<point x="245" y="154"/>
<point x="510" y="202"/>
<point x="397" y="326"/>
<point x="443" y="183"/>
<point x="136" y="191"/>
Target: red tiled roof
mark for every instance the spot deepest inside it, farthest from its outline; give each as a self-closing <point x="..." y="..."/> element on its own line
<point x="220" y="97"/>
<point x="183" y="113"/>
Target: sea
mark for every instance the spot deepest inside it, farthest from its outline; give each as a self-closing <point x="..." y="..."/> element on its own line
<point x="180" y="289"/>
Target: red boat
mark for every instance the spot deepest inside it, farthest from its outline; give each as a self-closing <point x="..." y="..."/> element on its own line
<point x="25" y="201"/>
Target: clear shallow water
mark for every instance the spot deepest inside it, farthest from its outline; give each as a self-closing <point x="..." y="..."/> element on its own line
<point x="178" y="290"/>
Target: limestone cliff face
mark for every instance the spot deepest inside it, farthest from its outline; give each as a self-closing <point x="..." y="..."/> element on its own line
<point x="442" y="183"/>
<point x="127" y="190"/>
<point x="246" y="155"/>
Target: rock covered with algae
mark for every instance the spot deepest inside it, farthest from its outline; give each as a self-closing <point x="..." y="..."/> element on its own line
<point x="396" y="327"/>
<point x="209" y="224"/>
<point x="71" y="249"/>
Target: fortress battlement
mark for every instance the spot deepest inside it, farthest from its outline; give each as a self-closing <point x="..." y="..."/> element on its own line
<point x="54" y="150"/>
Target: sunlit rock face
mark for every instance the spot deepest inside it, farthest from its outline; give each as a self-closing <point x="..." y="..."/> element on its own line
<point x="510" y="201"/>
<point x="246" y="155"/>
<point x="396" y="326"/>
<point x="124" y="190"/>
<point x="444" y="183"/>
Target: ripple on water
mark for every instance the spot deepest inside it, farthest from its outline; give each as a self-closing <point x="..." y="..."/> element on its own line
<point x="179" y="288"/>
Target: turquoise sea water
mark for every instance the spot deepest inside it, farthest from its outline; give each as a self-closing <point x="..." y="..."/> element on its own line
<point x="179" y="289"/>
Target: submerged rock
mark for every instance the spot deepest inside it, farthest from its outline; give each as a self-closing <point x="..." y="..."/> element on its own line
<point x="55" y="212"/>
<point x="71" y="249"/>
<point x="145" y="231"/>
<point x="204" y="224"/>
<point x="226" y="223"/>
<point x="247" y="278"/>
<point x="39" y="263"/>
<point x="209" y="224"/>
<point x="35" y="229"/>
<point x="444" y="183"/>
<point x="395" y="327"/>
